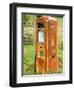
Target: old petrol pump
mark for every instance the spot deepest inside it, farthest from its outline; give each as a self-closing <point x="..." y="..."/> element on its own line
<point x="46" y="44"/>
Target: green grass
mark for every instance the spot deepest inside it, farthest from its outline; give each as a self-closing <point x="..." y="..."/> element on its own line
<point x="29" y="54"/>
<point x="60" y="55"/>
<point x="60" y="44"/>
<point x="29" y="60"/>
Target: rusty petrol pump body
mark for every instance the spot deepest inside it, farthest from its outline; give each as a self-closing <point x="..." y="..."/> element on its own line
<point x="46" y="44"/>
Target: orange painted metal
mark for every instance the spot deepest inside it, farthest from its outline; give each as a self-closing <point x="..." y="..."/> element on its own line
<point x="49" y="47"/>
<point x="53" y="45"/>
